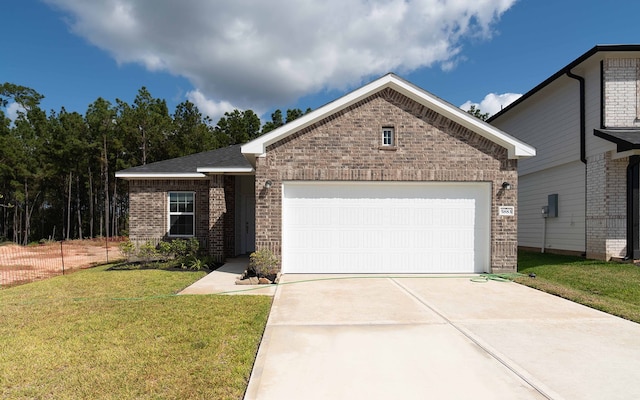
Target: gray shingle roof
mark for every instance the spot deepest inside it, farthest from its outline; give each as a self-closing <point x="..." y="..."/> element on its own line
<point x="226" y="159"/>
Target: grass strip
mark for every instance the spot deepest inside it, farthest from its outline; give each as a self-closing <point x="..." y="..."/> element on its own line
<point x="612" y="287"/>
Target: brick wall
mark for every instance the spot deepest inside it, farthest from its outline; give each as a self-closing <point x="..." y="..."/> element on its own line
<point x="217" y="210"/>
<point x="429" y="147"/>
<point x="606" y="207"/>
<point x="148" y="209"/>
<point x="621" y="92"/>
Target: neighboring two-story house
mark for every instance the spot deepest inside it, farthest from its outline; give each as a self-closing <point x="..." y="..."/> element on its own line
<point x="584" y="122"/>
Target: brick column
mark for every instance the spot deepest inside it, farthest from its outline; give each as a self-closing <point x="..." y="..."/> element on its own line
<point x="606" y="217"/>
<point x="217" y="211"/>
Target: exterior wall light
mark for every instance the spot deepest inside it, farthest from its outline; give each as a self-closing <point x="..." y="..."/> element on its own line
<point x="506" y="185"/>
<point x="268" y="184"/>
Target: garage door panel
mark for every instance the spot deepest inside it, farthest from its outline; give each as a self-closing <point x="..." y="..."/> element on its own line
<point x="385" y="227"/>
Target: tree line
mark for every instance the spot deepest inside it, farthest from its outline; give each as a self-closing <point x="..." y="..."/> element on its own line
<point x="57" y="170"/>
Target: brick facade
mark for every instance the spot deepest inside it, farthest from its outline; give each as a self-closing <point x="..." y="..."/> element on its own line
<point x="606" y="207"/>
<point x="621" y="92"/>
<point x="606" y="217"/>
<point x="346" y="146"/>
<point x="148" y="210"/>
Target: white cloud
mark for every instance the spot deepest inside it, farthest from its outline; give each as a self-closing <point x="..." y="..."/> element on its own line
<point x="258" y="54"/>
<point x="492" y="103"/>
<point x="213" y="109"/>
<point x="12" y="111"/>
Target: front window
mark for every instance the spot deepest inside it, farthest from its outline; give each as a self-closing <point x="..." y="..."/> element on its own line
<point x="181" y="214"/>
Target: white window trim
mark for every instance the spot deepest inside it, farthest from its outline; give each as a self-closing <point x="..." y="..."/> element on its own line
<point x="170" y="214"/>
<point x="393" y="136"/>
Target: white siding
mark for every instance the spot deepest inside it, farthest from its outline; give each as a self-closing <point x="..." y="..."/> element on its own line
<point x="549" y="121"/>
<point x="567" y="231"/>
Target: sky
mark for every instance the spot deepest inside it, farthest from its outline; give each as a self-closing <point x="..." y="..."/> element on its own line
<point x="281" y="54"/>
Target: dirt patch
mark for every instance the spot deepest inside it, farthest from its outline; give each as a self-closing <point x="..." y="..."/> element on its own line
<point x="21" y="264"/>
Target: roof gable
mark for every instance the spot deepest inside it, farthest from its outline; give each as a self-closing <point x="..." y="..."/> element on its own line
<point x="515" y="147"/>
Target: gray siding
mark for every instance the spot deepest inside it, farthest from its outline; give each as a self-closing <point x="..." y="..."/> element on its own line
<point x="551" y="124"/>
<point x="567" y="231"/>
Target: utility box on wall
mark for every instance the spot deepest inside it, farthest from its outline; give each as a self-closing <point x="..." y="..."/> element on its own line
<point x="552" y="204"/>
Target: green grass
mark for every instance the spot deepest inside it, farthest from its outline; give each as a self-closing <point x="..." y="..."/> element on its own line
<point x="100" y="334"/>
<point x="612" y="287"/>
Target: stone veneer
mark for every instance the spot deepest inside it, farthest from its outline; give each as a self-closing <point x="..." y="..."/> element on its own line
<point x="346" y="146"/>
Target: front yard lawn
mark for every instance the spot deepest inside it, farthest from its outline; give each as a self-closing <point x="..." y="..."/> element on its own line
<point x="612" y="287"/>
<point x="99" y="334"/>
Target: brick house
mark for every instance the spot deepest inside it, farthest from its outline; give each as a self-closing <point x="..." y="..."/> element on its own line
<point x="585" y="124"/>
<point x="388" y="178"/>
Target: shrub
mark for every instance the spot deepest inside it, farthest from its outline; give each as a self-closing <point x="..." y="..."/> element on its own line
<point x="183" y="251"/>
<point x="127" y="248"/>
<point x="192" y="247"/>
<point x="147" y="252"/>
<point x="197" y="264"/>
<point x="166" y="250"/>
<point x="264" y="263"/>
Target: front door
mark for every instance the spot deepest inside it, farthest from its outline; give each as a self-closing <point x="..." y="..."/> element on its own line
<point x="245" y="215"/>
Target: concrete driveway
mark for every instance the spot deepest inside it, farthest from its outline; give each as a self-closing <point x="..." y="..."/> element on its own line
<point x="427" y="337"/>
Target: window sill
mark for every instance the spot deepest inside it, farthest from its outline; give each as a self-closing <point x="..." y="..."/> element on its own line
<point x="388" y="148"/>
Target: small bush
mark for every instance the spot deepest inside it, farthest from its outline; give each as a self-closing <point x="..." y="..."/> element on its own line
<point x="197" y="264"/>
<point x="165" y="249"/>
<point x="127" y="248"/>
<point x="178" y="253"/>
<point x="148" y="252"/>
<point x="263" y="263"/>
<point x="192" y="246"/>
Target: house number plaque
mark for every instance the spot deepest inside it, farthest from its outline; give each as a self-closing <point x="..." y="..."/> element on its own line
<point x="508" y="211"/>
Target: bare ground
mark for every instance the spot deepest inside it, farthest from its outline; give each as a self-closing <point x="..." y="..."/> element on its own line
<point x="21" y="264"/>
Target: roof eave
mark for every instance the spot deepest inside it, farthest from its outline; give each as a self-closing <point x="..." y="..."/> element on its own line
<point x="159" y="175"/>
<point x="230" y="170"/>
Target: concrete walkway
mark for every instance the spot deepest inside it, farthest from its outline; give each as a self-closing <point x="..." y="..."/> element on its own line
<point x="223" y="281"/>
<point x="374" y="337"/>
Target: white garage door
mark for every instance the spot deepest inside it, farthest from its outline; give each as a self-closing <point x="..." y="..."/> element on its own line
<point x="355" y="227"/>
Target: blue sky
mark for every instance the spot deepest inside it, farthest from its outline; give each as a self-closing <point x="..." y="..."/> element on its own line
<point x="247" y="55"/>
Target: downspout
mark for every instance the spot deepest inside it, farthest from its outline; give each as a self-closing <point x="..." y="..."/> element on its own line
<point x="633" y="205"/>
<point x="583" y="136"/>
<point x="583" y="143"/>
